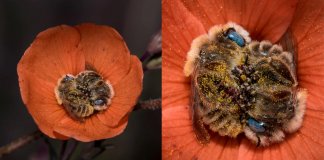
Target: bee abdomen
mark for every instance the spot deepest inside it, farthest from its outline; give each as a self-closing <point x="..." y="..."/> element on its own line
<point x="224" y="124"/>
<point x="85" y="111"/>
<point x="231" y="128"/>
<point x="211" y="117"/>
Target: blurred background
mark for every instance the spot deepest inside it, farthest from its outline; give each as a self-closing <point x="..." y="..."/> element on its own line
<point x="22" y="20"/>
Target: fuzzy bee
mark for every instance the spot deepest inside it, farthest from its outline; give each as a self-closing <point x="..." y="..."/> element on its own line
<point x="239" y="86"/>
<point x="84" y="94"/>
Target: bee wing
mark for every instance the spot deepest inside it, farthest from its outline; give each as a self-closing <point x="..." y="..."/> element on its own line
<point x="287" y="42"/>
<point x="199" y="128"/>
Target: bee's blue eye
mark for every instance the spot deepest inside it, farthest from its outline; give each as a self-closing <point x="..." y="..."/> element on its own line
<point x="67" y="78"/>
<point x="99" y="102"/>
<point x="234" y="36"/>
<point x="256" y="126"/>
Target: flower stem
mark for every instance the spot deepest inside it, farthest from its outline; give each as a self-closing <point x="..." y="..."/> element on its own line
<point x="14" y="145"/>
<point x="95" y="150"/>
<point x="63" y="149"/>
<point x="51" y="150"/>
<point x="69" y="150"/>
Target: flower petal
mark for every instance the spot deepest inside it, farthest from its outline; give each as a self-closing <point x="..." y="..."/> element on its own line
<point x="179" y="140"/>
<point x="53" y="54"/>
<point x="105" y="51"/>
<point x="266" y="19"/>
<point x="247" y="150"/>
<point x="308" y="29"/>
<point x="312" y="134"/>
<point x="274" y="151"/>
<point x="127" y="91"/>
<point x="89" y="130"/>
<point x="179" y="28"/>
<point x="60" y="136"/>
<point x="294" y="147"/>
<point x="42" y="105"/>
<point x="55" y="50"/>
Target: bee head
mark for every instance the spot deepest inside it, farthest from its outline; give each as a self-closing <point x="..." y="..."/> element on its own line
<point x="234" y="36"/>
<point x="256" y="126"/>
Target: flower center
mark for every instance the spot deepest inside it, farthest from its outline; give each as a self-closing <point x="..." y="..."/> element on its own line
<point x="83" y="95"/>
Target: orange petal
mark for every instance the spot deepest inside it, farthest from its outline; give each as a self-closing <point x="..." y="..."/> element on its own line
<point x="247" y="150"/>
<point x="179" y="140"/>
<point x="267" y="19"/>
<point x="274" y="151"/>
<point x="176" y="89"/>
<point x="308" y="29"/>
<point x="89" y="130"/>
<point x="294" y="147"/>
<point x="42" y="105"/>
<point x="60" y="136"/>
<point x="277" y="151"/>
<point x="127" y="91"/>
<point x="105" y="51"/>
<point x="179" y="28"/>
<point x="312" y="133"/>
<point x="52" y="55"/>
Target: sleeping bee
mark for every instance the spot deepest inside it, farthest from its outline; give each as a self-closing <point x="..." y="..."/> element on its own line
<point x="84" y="94"/>
<point x="239" y="86"/>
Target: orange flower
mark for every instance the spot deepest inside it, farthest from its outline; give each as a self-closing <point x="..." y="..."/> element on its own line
<point x="67" y="52"/>
<point x="185" y="20"/>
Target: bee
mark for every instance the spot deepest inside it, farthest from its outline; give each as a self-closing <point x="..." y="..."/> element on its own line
<point x="84" y="94"/>
<point x="239" y="86"/>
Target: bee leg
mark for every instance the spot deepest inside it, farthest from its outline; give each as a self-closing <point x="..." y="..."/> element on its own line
<point x="296" y="122"/>
<point x="201" y="132"/>
<point x="265" y="47"/>
<point x="275" y="50"/>
<point x="259" y="141"/>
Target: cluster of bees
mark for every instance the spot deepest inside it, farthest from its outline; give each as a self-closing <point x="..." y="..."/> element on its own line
<point x="84" y="94"/>
<point x="239" y="86"/>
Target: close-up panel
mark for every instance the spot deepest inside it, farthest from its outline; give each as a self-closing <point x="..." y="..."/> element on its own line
<point x="242" y="79"/>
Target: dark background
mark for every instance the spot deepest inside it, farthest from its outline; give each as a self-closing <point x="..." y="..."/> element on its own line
<point x="22" y="20"/>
